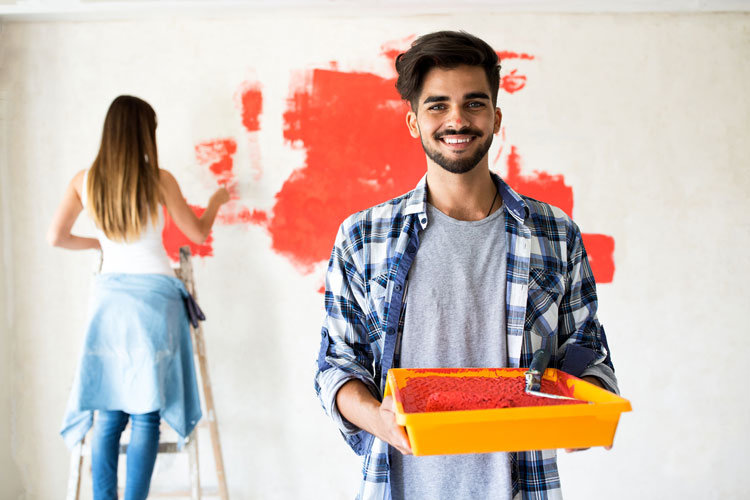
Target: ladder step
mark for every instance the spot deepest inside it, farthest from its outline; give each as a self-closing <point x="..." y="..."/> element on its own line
<point x="163" y="448"/>
<point x="209" y="492"/>
<point x="203" y="424"/>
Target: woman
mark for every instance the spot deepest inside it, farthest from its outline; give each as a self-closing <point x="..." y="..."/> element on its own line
<point x="137" y="361"/>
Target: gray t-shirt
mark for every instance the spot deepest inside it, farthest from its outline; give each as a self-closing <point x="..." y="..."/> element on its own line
<point x="455" y="317"/>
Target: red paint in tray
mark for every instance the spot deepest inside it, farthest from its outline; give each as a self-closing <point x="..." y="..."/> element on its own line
<point x="435" y="393"/>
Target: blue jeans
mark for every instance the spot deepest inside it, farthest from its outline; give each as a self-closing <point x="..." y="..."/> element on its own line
<point x="105" y="450"/>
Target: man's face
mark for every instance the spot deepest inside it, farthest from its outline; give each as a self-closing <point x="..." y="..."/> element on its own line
<point x="454" y="117"/>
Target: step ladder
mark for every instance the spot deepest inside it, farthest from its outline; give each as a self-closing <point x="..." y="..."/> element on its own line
<point x="196" y="492"/>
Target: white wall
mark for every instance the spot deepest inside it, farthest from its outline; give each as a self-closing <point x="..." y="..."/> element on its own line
<point x="8" y="469"/>
<point x="646" y="116"/>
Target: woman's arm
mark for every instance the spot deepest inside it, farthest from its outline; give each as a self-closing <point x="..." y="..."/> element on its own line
<point x="195" y="228"/>
<point x="59" y="234"/>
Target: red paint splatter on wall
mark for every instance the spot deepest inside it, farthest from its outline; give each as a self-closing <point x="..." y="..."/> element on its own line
<point x="251" y="100"/>
<point x="233" y="213"/>
<point x="553" y="190"/>
<point x="513" y="82"/>
<point x="601" y="252"/>
<point x="540" y="186"/>
<point x="173" y="238"/>
<point x="217" y="155"/>
<point x="393" y="48"/>
<point x="359" y="154"/>
<point x="508" y="54"/>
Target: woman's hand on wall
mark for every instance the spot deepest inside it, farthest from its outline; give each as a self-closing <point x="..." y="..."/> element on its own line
<point x="220" y="197"/>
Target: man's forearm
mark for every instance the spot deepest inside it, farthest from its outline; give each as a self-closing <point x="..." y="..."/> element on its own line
<point x="357" y="405"/>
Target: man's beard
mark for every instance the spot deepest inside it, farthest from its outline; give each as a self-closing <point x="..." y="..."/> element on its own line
<point x="461" y="165"/>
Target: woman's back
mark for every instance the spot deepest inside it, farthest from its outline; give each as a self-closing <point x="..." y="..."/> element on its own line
<point x="146" y="255"/>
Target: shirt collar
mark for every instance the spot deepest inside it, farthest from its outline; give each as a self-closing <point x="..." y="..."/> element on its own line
<point x="513" y="201"/>
<point x="416" y="201"/>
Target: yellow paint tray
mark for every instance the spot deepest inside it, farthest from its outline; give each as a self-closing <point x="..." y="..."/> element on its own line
<point x="509" y="429"/>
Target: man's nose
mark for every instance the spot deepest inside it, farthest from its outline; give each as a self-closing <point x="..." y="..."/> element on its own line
<point x="456" y="117"/>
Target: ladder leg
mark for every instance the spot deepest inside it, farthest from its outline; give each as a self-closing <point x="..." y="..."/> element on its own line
<point x="74" y="476"/>
<point x="213" y="425"/>
<point x="195" y="478"/>
<point x="185" y="273"/>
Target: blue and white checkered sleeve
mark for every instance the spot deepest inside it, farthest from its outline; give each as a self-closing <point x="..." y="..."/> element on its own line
<point x="581" y="335"/>
<point x="345" y="353"/>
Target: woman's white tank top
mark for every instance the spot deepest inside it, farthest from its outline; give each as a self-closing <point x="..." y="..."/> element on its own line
<point x="143" y="256"/>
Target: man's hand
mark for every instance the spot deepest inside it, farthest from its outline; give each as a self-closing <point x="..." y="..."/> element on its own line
<point x="388" y="430"/>
<point x="356" y="404"/>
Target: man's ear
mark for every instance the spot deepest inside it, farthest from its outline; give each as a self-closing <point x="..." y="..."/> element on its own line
<point x="411" y="122"/>
<point x="498" y="120"/>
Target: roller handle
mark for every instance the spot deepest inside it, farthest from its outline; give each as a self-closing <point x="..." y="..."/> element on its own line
<point x="536" y="370"/>
<point x="540" y="361"/>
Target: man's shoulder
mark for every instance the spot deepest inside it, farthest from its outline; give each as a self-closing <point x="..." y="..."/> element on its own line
<point x="549" y="222"/>
<point x="388" y="212"/>
<point x="544" y="212"/>
<point x="373" y="231"/>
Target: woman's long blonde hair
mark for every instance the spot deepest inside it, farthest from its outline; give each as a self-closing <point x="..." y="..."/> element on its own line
<point x="123" y="182"/>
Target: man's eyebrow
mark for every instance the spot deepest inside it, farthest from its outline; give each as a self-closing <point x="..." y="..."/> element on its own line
<point x="476" y="95"/>
<point x="443" y="98"/>
<point x="435" y="98"/>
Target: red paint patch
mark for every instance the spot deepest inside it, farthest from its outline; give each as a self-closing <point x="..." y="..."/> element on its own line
<point x="513" y="82"/>
<point x="173" y="238"/>
<point x="252" y="106"/>
<point x="233" y="213"/>
<point x="553" y="190"/>
<point x="217" y="155"/>
<point x="507" y="54"/>
<point x="601" y="252"/>
<point x="540" y="186"/>
<point x="392" y="49"/>
<point x="359" y="154"/>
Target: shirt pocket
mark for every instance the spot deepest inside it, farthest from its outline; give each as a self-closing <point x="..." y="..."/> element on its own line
<point x="377" y="295"/>
<point x="546" y="289"/>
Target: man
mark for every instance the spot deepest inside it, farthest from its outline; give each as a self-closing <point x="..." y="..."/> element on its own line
<point x="459" y="272"/>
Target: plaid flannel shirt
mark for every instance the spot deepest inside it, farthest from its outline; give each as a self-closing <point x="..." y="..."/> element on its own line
<point x="550" y="295"/>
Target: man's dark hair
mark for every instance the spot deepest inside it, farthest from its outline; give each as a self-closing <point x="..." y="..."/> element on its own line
<point x="444" y="49"/>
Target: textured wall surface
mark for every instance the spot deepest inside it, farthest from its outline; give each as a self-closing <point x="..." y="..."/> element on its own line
<point x="636" y="124"/>
<point x="9" y="479"/>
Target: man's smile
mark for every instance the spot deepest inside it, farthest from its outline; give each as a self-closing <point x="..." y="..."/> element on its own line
<point x="457" y="142"/>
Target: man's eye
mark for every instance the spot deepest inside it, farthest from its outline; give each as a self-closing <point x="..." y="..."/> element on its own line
<point x="476" y="104"/>
<point x="437" y="107"/>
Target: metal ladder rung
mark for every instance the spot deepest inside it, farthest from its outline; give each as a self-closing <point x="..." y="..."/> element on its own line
<point x="163" y="448"/>
<point x="208" y="492"/>
<point x="202" y="424"/>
